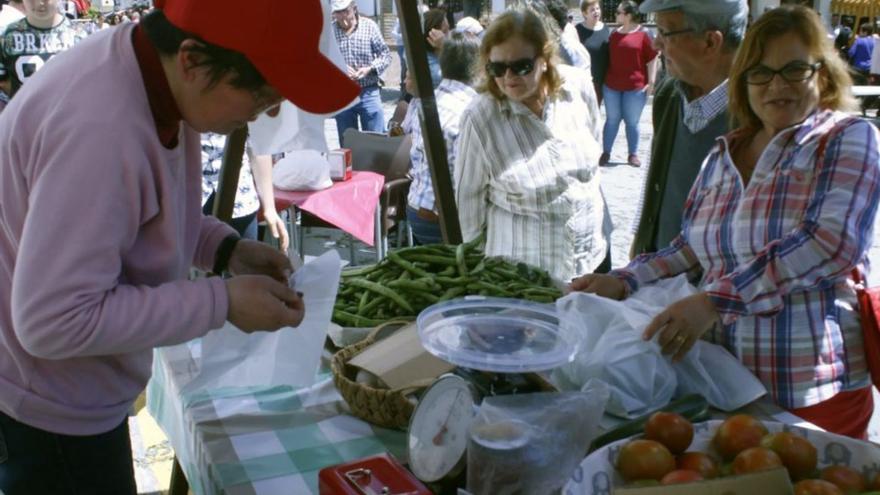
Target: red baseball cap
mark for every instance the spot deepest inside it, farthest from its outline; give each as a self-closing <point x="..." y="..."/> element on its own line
<point x="280" y="37"/>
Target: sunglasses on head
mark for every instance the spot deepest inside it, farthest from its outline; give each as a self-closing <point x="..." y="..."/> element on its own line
<point x="519" y="67"/>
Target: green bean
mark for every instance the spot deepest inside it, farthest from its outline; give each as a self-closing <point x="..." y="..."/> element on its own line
<point x="385" y="291"/>
<point x="355" y="320"/>
<point x="406" y="265"/>
<point x="432" y="259"/>
<point x="459" y="260"/>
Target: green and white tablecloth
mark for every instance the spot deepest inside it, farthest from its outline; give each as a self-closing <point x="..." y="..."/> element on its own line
<point x="251" y="440"/>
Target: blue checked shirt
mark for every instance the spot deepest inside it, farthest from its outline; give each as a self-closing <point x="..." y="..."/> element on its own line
<point x="698" y="113"/>
<point x="452" y="98"/>
<point x="775" y="256"/>
<point x="364" y="47"/>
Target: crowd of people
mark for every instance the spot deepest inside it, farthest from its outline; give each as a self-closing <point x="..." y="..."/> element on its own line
<point x="762" y="188"/>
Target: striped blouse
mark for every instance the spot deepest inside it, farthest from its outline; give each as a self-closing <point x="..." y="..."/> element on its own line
<point x="532" y="184"/>
<point x="775" y="257"/>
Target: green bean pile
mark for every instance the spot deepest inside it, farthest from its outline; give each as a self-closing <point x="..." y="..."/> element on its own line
<point x="413" y="278"/>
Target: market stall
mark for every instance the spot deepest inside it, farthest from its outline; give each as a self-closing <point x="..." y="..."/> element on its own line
<point x="857" y="9"/>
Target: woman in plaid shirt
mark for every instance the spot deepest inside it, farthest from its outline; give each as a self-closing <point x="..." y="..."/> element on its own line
<point x="781" y="213"/>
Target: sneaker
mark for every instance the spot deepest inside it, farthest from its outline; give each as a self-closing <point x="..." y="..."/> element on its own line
<point x="604" y="159"/>
<point x="634" y="161"/>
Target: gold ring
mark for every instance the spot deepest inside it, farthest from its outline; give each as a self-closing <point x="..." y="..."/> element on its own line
<point x="680" y="339"/>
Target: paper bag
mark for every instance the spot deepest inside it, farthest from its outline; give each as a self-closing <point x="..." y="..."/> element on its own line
<point x="289" y="356"/>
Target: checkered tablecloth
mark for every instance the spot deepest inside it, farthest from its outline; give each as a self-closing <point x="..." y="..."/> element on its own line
<point x="250" y="440"/>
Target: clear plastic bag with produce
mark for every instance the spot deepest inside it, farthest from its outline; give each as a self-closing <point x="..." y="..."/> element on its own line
<point x="531" y="443"/>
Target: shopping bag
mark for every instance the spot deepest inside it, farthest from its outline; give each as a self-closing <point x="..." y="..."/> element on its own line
<point x="869" y="306"/>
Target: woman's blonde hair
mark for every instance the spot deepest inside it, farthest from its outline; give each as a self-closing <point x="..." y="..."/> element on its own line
<point x="525" y="24"/>
<point x="834" y="79"/>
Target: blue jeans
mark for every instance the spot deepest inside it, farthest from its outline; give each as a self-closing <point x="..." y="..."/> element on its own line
<point x="424" y="232"/>
<point x="38" y="462"/>
<point x="369" y="110"/>
<point x="626" y="106"/>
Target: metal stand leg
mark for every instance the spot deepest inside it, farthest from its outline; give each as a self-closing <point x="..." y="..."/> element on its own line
<point x="179" y="485"/>
<point x="379" y="239"/>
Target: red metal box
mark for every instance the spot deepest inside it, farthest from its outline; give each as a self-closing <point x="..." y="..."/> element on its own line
<point x="377" y="475"/>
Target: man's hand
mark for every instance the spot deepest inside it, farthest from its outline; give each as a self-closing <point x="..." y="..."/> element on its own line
<point x="276" y="227"/>
<point x="682" y="324"/>
<point x="256" y="302"/>
<point x="357" y="74"/>
<point x="600" y="284"/>
<point x="255" y="258"/>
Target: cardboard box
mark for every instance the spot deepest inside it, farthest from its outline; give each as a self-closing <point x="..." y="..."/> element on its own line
<point x="400" y="360"/>
<point x="340" y="164"/>
<point x="774" y="482"/>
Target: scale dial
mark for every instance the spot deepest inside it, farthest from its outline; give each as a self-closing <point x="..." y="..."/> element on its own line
<point x="438" y="429"/>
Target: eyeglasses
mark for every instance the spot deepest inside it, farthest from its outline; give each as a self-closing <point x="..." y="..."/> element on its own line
<point x="668" y="34"/>
<point x="796" y="71"/>
<point x="521" y="67"/>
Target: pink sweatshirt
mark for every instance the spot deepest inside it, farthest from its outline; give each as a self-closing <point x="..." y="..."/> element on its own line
<point x="99" y="225"/>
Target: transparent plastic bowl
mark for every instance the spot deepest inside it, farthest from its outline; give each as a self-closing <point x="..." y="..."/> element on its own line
<point x="495" y="334"/>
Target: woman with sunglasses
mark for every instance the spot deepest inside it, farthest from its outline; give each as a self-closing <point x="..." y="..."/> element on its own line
<point x="526" y="173"/>
<point x="778" y="218"/>
<point x="629" y="80"/>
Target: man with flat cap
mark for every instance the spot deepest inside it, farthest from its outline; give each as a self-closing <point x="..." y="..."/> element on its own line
<point x="367" y="56"/>
<point x="698" y="39"/>
<point x="100" y="222"/>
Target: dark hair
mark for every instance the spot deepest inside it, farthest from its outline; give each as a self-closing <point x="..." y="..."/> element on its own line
<point x="630" y="8"/>
<point x="458" y="59"/>
<point x="866" y="29"/>
<point x="219" y="62"/>
<point x="433" y="20"/>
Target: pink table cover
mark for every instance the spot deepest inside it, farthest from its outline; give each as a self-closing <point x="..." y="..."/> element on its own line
<point x="349" y="205"/>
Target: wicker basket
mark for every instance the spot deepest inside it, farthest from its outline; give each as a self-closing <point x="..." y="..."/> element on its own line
<point x="389" y="408"/>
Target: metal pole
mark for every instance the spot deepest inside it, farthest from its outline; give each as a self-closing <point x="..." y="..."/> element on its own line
<point x="435" y="145"/>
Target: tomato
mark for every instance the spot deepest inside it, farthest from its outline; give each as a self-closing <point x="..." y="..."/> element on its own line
<point x="847" y="479"/>
<point x="644" y="459"/>
<point x="699" y="462"/>
<point x="738" y="433"/>
<point x="755" y="459"/>
<point x="670" y="429"/>
<point x="815" y="487"/>
<point x="680" y="476"/>
<point x="797" y="453"/>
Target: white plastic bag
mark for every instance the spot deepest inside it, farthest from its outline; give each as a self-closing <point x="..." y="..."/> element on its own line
<point x="303" y="170"/>
<point x="639" y="377"/>
<point x="289" y="356"/>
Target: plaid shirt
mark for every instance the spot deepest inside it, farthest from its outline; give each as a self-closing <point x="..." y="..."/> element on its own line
<point x="532" y="183"/>
<point x="775" y="258"/>
<point x="364" y="47"/>
<point x="452" y="98"/>
<point x="697" y="114"/>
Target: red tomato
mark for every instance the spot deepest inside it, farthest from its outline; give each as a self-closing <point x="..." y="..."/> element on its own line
<point x="797" y="453"/>
<point x="680" y="476"/>
<point x="755" y="459"/>
<point x="847" y="479"/>
<point x="671" y="429"/>
<point x="815" y="487"/>
<point x="738" y="433"/>
<point x="699" y="462"/>
<point x="644" y="459"/>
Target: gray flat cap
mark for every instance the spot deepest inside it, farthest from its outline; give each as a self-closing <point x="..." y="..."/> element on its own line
<point x="719" y="7"/>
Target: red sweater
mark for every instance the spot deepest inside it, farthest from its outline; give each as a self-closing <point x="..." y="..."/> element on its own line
<point x="629" y="55"/>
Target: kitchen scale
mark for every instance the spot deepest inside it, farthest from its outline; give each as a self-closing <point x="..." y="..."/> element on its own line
<point x="498" y="345"/>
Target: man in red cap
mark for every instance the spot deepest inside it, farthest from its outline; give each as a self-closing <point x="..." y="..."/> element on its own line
<point x="100" y="222"/>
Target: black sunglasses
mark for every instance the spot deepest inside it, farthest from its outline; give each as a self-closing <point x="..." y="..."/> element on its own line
<point x="521" y="67"/>
<point x="794" y="72"/>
